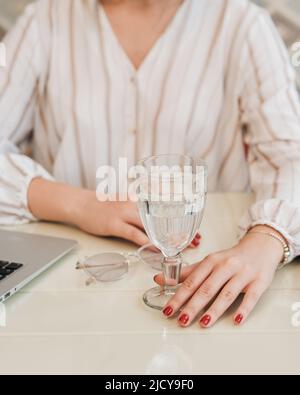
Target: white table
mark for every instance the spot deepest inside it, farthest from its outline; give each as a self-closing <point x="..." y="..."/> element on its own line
<point x="58" y="325"/>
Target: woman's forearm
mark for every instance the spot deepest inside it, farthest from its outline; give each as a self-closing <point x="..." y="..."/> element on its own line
<point x="52" y="201"/>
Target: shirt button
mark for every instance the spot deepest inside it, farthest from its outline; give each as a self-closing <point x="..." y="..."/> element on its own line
<point x="133" y="80"/>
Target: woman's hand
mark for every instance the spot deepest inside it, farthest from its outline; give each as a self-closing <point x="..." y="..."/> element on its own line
<point x="118" y="219"/>
<point x="247" y="268"/>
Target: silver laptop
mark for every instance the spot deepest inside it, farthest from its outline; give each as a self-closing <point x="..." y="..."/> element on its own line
<point x="25" y="256"/>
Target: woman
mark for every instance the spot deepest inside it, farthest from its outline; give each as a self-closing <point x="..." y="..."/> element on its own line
<point x="97" y="81"/>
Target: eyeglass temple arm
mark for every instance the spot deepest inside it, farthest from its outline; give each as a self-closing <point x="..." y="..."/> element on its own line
<point x="81" y="266"/>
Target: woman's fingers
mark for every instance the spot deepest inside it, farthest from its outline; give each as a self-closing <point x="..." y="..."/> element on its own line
<point x="225" y="299"/>
<point x="251" y="298"/>
<point x="206" y="292"/>
<point x="133" y="217"/>
<point x="131" y="233"/>
<point x="189" y="286"/>
<point x="196" y="242"/>
<point x="160" y="280"/>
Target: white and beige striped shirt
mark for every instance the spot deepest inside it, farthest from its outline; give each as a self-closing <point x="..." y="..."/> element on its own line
<point x="217" y="79"/>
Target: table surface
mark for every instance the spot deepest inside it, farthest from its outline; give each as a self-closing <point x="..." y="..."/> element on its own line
<point x="57" y="325"/>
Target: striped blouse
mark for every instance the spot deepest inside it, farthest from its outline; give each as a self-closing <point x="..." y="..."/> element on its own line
<point x="217" y="80"/>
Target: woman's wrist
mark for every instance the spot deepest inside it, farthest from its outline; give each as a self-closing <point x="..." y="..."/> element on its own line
<point x="269" y="231"/>
<point x="272" y="239"/>
<point x="78" y="203"/>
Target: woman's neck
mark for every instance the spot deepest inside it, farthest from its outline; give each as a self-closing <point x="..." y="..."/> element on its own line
<point x="138" y="24"/>
<point x="137" y="4"/>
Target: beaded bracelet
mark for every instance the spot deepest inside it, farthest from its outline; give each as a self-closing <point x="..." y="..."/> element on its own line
<point x="285" y="246"/>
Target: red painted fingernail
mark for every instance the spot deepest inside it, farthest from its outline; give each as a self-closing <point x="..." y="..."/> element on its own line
<point x="168" y="311"/>
<point x="198" y="236"/>
<point x="195" y="242"/>
<point x="238" y="319"/>
<point x="205" y="320"/>
<point x="184" y="319"/>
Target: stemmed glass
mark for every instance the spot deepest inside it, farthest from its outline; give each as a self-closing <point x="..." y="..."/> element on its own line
<point x="171" y="197"/>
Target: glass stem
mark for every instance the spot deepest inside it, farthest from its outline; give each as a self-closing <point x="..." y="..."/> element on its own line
<point x="172" y="270"/>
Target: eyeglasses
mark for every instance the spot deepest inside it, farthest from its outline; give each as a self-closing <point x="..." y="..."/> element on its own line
<point x="114" y="266"/>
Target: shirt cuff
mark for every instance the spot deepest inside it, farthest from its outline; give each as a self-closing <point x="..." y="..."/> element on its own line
<point x="17" y="173"/>
<point x="278" y="214"/>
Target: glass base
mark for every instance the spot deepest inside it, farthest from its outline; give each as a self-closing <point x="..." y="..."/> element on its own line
<point x="158" y="297"/>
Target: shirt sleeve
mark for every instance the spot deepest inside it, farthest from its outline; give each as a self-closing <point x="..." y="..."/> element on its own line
<point x="271" y="115"/>
<point x="18" y="82"/>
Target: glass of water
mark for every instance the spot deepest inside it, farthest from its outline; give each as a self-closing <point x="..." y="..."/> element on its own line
<point x="171" y="192"/>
